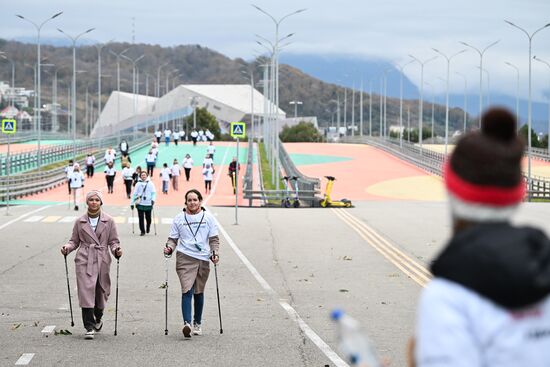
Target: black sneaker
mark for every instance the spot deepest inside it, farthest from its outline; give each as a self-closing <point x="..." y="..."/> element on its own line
<point x="76" y="208"/>
<point x="142" y="234"/>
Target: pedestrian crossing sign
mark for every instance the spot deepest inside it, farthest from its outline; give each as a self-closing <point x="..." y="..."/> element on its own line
<point x="238" y="129"/>
<point x="9" y="126"/>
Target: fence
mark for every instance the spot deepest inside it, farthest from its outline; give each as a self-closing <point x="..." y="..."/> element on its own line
<point x="31" y="183"/>
<point x="432" y="162"/>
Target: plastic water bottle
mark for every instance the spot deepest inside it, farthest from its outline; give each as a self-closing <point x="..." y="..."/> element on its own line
<point x="354" y="343"/>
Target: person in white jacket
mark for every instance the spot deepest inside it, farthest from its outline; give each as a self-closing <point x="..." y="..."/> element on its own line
<point x="175" y="174"/>
<point x="489" y="302"/>
<point x="76" y="183"/>
<point x="143" y="198"/>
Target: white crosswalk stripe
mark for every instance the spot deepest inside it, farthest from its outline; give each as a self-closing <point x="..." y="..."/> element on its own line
<point x="34" y="218"/>
<point x="72" y="218"/>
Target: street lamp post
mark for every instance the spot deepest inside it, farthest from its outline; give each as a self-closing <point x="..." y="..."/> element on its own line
<point x="38" y="122"/>
<point x="433" y="109"/>
<point x="388" y="70"/>
<point x="547" y="64"/>
<point x="276" y="69"/>
<point x="134" y="86"/>
<point x="420" y="112"/>
<point x="74" y="39"/>
<point x="488" y="86"/>
<point x="517" y="89"/>
<point x="401" y="68"/>
<point x="448" y="58"/>
<point x="99" y="47"/>
<point x="118" y="56"/>
<point x="481" y="53"/>
<point x="465" y="98"/>
<point x="295" y="103"/>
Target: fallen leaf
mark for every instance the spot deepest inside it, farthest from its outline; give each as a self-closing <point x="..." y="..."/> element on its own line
<point x="347" y="258"/>
<point x="36" y="323"/>
<point x="15" y="326"/>
<point x="344" y="290"/>
<point x="259" y="299"/>
<point x="163" y="285"/>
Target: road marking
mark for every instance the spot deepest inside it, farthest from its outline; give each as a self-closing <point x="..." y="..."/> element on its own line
<point x="25" y="359"/>
<point x="403" y="262"/>
<point x="119" y="220"/>
<point x="34" y="218"/>
<point x="308" y="331"/>
<point x="68" y="219"/>
<point x="217" y="179"/>
<point x="51" y="219"/>
<point x="167" y="220"/>
<point x="25" y="215"/>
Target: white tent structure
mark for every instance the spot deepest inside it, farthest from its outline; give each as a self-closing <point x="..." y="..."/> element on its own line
<point x="227" y="102"/>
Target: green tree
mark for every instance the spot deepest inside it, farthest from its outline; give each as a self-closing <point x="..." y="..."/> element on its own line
<point x="534" y="138"/>
<point x="303" y="132"/>
<point x="205" y="120"/>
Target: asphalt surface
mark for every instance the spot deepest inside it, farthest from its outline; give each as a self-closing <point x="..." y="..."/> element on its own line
<point x="281" y="273"/>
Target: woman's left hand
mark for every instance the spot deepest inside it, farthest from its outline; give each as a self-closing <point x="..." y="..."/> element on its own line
<point x="118" y="253"/>
<point x="215" y="258"/>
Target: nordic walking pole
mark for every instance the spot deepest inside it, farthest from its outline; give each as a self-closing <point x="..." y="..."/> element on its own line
<point x="116" y="298"/>
<point x="166" y="296"/>
<point x="69" y="290"/>
<point x="154" y="221"/>
<point x="133" y="220"/>
<point x="218" y="295"/>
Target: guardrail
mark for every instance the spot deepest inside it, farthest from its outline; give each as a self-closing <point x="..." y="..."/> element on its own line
<point x="305" y="183"/>
<point x="432" y="162"/>
<point x="31" y="183"/>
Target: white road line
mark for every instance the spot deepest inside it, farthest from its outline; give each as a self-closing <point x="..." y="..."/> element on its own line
<point x="25" y="215"/>
<point x="133" y="220"/>
<point x="167" y="220"/>
<point x="68" y="219"/>
<point x="312" y="335"/>
<point x="217" y="178"/>
<point x="25" y="359"/>
<point x="34" y="218"/>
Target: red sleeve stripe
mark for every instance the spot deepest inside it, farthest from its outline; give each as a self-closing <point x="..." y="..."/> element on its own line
<point x="482" y="194"/>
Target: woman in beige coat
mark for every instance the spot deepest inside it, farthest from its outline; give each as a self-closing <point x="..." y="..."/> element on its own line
<point x="94" y="234"/>
<point x="194" y="236"/>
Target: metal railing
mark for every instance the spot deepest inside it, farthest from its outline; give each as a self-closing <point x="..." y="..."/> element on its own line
<point x="305" y="184"/>
<point x="432" y="162"/>
<point x="25" y="184"/>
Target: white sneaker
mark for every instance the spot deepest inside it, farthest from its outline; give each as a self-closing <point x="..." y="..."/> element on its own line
<point x="197" y="329"/>
<point x="98" y="326"/>
<point x="186" y="330"/>
<point x="89" y="334"/>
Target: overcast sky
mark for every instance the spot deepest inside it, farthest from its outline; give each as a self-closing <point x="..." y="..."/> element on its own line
<point x="387" y="29"/>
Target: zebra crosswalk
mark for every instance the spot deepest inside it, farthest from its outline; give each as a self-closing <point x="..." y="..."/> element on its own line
<point x="72" y="218"/>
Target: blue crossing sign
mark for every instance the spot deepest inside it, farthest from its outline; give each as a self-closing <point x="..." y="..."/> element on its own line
<point x="238" y="130"/>
<point x="9" y="126"/>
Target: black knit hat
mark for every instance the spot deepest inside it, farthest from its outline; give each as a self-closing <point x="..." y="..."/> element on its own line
<point x="484" y="171"/>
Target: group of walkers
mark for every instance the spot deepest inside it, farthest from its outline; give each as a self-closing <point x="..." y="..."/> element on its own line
<point x="193" y="236"/>
<point x="177" y="136"/>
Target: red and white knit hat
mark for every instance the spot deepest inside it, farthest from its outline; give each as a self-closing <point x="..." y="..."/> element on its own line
<point x="483" y="175"/>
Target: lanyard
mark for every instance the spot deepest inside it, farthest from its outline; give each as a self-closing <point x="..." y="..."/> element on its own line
<point x="197" y="231"/>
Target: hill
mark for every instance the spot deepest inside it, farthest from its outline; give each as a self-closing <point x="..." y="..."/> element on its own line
<point x="195" y="65"/>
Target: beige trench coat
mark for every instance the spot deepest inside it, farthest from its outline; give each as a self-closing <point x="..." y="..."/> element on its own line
<point x="92" y="260"/>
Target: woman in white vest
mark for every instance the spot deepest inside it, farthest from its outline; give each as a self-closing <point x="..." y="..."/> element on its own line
<point x="76" y="182"/>
<point x="194" y="236"/>
<point x="144" y="198"/>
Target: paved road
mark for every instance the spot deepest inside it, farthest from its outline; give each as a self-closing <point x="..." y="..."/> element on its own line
<point x="281" y="272"/>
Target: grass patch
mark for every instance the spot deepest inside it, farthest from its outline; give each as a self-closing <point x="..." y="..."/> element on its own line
<point x="266" y="170"/>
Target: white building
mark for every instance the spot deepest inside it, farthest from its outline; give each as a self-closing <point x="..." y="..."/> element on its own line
<point x="227" y="102"/>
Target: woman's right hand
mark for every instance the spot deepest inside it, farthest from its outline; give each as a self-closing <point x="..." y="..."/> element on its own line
<point x="168" y="251"/>
<point x="64" y="250"/>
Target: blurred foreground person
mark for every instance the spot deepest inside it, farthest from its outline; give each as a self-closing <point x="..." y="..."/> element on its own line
<point x="488" y="304"/>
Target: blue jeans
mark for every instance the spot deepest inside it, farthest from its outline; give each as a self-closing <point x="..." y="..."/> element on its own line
<point x="186" y="306"/>
<point x="167" y="141"/>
